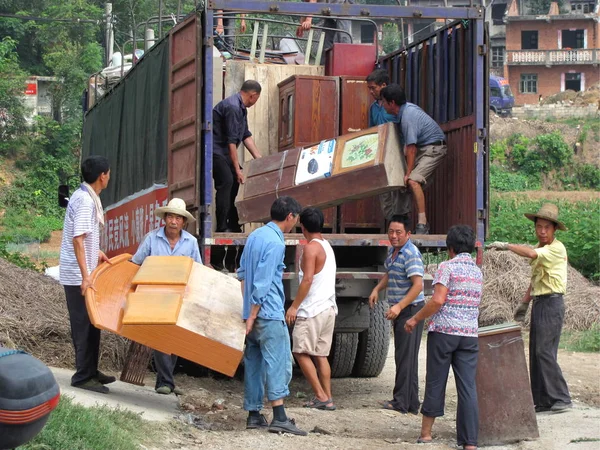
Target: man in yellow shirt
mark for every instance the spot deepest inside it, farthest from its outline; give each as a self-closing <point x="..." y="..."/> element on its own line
<point x="547" y="287"/>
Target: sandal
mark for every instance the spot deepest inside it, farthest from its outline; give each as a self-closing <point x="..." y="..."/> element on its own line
<point x="318" y="404"/>
<point x="386" y="404"/>
<point x="420" y="440"/>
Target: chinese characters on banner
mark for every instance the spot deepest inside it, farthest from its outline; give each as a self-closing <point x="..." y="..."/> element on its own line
<point x="126" y="225"/>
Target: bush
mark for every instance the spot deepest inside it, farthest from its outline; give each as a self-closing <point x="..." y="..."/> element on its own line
<point x="582" y="239"/>
<point x="549" y="152"/>
<point x="504" y="180"/>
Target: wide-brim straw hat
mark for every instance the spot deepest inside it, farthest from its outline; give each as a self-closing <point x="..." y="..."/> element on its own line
<point x="548" y="211"/>
<point x="175" y="206"/>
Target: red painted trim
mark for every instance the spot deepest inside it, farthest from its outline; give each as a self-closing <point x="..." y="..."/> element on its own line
<point x="29" y="415"/>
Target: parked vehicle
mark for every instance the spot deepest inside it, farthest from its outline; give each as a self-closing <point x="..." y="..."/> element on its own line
<point x="501" y="96"/>
<point x="155" y="128"/>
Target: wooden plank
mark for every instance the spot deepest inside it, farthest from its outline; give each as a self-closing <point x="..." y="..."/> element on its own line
<point x="152" y="308"/>
<point x="278" y="179"/>
<point x="164" y="270"/>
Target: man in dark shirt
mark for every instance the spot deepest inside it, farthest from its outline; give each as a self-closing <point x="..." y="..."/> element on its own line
<point x="230" y="120"/>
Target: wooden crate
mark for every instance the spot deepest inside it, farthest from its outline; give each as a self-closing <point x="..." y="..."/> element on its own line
<point x="365" y="163"/>
<point x="308" y="110"/>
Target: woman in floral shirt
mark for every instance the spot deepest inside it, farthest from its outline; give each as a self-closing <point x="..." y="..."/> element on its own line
<point x="452" y="338"/>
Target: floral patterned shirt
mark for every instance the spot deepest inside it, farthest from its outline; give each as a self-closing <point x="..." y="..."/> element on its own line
<point x="459" y="315"/>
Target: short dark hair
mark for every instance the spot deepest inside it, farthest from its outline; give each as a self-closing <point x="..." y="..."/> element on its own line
<point x="94" y="166"/>
<point x="461" y="239"/>
<point x="283" y="206"/>
<point x="403" y="219"/>
<point x="394" y="92"/>
<point x="251" y="86"/>
<point x="535" y="219"/>
<point x="379" y="77"/>
<point x="312" y="219"/>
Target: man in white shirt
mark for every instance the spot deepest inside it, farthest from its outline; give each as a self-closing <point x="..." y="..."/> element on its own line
<point x="314" y="310"/>
<point x="80" y="254"/>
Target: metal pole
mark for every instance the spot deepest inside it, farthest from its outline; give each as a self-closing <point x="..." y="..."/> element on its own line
<point x="160" y="10"/>
<point x="108" y="33"/>
<point x="148" y="39"/>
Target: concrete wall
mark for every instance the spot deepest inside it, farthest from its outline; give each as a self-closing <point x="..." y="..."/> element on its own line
<point x="556" y="111"/>
<point x="549" y="79"/>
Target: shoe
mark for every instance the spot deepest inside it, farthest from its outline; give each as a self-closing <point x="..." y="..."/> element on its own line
<point x="253" y="422"/>
<point x="289" y="426"/>
<point x="92" y="385"/>
<point x="386" y="404"/>
<point x="178" y="391"/>
<point x="541" y="409"/>
<point x="420" y="440"/>
<point x="165" y="390"/>
<point x="104" y="379"/>
<point x="327" y="405"/>
<point x="561" y="406"/>
<point x="422" y="228"/>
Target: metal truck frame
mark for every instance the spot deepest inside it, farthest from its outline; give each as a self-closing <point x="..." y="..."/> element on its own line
<point x="445" y="74"/>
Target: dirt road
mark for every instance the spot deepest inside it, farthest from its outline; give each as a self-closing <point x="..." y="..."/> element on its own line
<point x="358" y="423"/>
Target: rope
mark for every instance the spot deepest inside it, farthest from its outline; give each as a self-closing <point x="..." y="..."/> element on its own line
<point x="280" y="174"/>
<point x="11" y="352"/>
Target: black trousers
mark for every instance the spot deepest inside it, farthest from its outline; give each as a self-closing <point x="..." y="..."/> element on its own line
<point x="406" y="356"/>
<point x="86" y="337"/>
<point x="165" y="366"/>
<point x="227" y="187"/>
<point x="461" y="352"/>
<point x="548" y="385"/>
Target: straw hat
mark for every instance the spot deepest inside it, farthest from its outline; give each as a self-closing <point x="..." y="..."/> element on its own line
<point x="175" y="206"/>
<point x="548" y="211"/>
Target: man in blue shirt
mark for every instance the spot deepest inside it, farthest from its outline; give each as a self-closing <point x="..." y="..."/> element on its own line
<point x="170" y="240"/>
<point x="230" y="128"/>
<point x="267" y="357"/>
<point x="424" y="146"/>
<point x="404" y="283"/>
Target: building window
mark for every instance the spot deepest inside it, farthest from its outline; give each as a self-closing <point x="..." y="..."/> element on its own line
<point x="528" y="83"/>
<point x="582" y="8"/>
<point x="498" y="11"/>
<point x="573" y="82"/>
<point x="529" y="40"/>
<point x="367" y="34"/>
<point x="572" y="39"/>
<point x="497" y="57"/>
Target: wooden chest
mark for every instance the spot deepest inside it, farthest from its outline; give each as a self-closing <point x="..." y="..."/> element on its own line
<point x="355" y="101"/>
<point x="313" y="118"/>
<point x="353" y="166"/>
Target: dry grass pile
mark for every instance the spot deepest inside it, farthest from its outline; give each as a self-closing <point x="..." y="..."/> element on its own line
<point x="34" y="318"/>
<point x="507" y="276"/>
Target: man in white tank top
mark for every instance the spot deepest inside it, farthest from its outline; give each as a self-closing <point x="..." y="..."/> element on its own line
<point x="314" y="310"/>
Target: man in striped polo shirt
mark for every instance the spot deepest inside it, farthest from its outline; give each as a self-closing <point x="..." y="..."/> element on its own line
<point x="80" y="254"/>
<point x="404" y="283"/>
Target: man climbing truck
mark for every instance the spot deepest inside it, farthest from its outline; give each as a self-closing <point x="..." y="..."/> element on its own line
<point x="157" y="126"/>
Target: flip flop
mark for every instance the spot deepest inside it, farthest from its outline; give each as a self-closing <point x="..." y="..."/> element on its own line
<point x="318" y="404"/>
<point x="424" y="441"/>
<point x="386" y="404"/>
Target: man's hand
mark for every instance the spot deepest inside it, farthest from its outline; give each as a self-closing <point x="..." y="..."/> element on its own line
<point x="103" y="258"/>
<point x="85" y="284"/>
<point x="240" y="176"/>
<point x="393" y="312"/>
<point x="521" y="311"/>
<point x="410" y="325"/>
<point x="497" y="246"/>
<point x="249" y="324"/>
<point x="373" y="298"/>
<point x="243" y="26"/>
<point x="290" y="315"/>
<point x="406" y="179"/>
<point x="305" y="25"/>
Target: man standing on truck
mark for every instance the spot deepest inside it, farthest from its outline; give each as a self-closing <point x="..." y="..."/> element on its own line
<point x="170" y="240"/>
<point x="331" y="36"/>
<point x="230" y="121"/>
<point x="80" y="254"/>
<point x="546" y="290"/>
<point x="314" y="310"/>
<point x="267" y="358"/>
<point x="393" y="202"/>
<point x="404" y="283"/>
<point x="424" y="146"/>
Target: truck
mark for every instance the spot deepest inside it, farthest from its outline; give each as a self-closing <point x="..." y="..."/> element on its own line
<point x="502" y="99"/>
<point x="155" y="126"/>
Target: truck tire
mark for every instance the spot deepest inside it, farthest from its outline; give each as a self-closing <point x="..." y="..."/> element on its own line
<point x="373" y="344"/>
<point x="343" y="354"/>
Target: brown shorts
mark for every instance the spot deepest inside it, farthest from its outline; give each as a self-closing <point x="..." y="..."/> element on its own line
<point x="313" y="335"/>
<point x="428" y="158"/>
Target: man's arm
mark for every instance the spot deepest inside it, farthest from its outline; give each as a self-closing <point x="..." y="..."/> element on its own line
<point x="79" y="249"/>
<point x="142" y="252"/>
<point x="523" y="250"/>
<point x="377" y="289"/>
<point x="308" y="264"/>
<point x="251" y="146"/>
<point x="305" y="22"/>
<point x="236" y="163"/>
<point x="413" y="292"/>
<point x="431" y="307"/>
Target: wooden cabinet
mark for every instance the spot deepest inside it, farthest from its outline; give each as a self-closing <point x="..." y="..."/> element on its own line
<point x="315" y="117"/>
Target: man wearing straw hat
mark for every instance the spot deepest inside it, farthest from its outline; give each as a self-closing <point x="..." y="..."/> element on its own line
<point x="547" y="287"/>
<point x="170" y="240"/>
